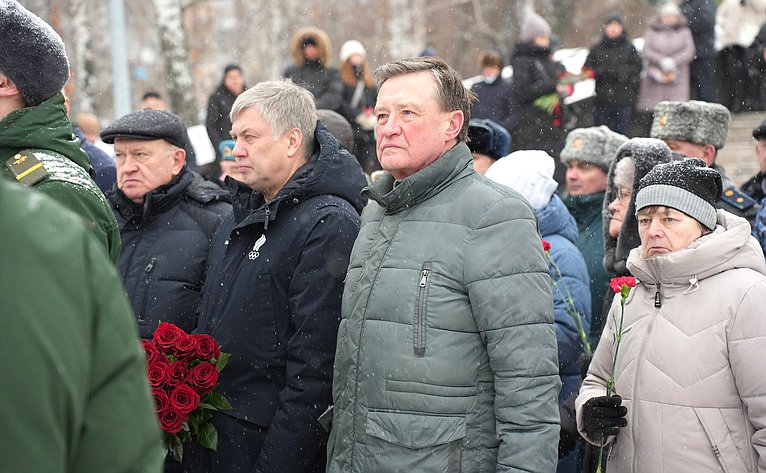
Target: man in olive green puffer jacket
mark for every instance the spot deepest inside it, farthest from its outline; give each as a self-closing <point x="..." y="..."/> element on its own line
<point x="446" y="357"/>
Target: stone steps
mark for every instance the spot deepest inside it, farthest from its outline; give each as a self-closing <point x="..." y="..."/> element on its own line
<point x="738" y="156"/>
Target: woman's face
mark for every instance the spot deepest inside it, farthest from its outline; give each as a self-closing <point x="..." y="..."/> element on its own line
<point x="664" y="230"/>
<point x="613" y="30"/>
<point x="618" y="207"/>
<point x="356" y="60"/>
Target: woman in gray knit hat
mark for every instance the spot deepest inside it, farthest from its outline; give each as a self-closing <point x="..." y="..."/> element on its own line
<point x="688" y="375"/>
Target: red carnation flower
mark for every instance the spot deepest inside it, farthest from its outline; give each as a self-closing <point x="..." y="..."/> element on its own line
<point x="161" y="400"/>
<point x="166" y="336"/>
<point x="185" y="347"/>
<point x="546" y="246"/>
<point x="617" y="283"/>
<point x="172" y="420"/>
<point x="158" y="374"/>
<point x="207" y="348"/>
<point x="203" y="378"/>
<point x="177" y="373"/>
<point x="184" y="399"/>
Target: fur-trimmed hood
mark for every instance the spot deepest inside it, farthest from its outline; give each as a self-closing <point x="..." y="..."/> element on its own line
<point x="646" y="153"/>
<point x="322" y="41"/>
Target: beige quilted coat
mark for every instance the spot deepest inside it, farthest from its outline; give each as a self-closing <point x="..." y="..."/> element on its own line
<point x="691" y="372"/>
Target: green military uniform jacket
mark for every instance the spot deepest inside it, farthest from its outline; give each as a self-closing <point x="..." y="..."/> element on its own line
<point x="74" y="394"/>
<point x="43" y="135"/>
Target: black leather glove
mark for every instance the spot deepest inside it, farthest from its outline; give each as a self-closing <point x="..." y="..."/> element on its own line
<point x="603" y="416"/>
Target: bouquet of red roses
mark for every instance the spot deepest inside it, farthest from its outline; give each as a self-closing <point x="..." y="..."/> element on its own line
<point x="183" y="372"/>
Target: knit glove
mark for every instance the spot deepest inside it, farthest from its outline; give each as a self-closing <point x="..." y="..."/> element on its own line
<point x="603" y="416"/>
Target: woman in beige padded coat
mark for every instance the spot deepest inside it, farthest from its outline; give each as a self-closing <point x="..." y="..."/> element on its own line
<point x="690" y="376"/>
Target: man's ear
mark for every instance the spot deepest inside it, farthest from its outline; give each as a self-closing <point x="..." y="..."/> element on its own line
<point x="708" y="154"/>
<point x="295" y="142"/>
<point x="456" y="121"/>
<point x="179" y="158"/>
<point x="7" y="87"/>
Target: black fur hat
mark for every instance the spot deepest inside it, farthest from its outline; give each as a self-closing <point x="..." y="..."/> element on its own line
<point x="487" y="137"/>
<point x="33" y="55"/>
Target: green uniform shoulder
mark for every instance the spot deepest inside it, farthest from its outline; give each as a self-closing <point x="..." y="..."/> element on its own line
<point x="26" y="168"/>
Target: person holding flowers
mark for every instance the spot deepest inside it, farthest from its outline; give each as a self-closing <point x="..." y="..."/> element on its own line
<point x="531" y="174"/>
<point x="537" y="93"/>
<point x="677" y="383"/>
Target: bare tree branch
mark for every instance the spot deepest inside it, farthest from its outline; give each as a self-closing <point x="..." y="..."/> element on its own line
<point x="481" y="26"/>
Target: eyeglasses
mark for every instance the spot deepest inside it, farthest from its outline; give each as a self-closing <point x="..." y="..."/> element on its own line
<point x="622" y="193"/>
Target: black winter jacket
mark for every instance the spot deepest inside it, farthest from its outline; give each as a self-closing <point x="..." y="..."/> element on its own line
<point x="323" y="82"/>
<point x="272" y="299"/>
<point x="700" y="16"/>
<point x="217" y="122"/>
<point x="494" y="102"/>
<point x="617" y="65"/>
<point x="535" y="74"/>
<point x="165" y="249"/>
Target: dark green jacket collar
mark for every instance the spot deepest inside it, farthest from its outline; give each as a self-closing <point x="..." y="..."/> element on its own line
<point x="585" y="208"/>
<point x="429" y="181"/>
<point x="44" y="126"/>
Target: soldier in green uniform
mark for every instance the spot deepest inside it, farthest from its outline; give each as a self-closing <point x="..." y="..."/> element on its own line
<point x="74" y="394"/>
<point x="37" y="146"/>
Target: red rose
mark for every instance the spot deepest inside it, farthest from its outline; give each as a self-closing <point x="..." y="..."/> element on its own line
<point x="184" y="399"/>
<point x="177" y="372"/>
<point x="617" y="283"/>
<point x="546" y="246"/>
<point x="161" y="400"/>
<point x="166" y="336"/>
<point x="153" y="355"/>
<point x="172" y="420"/>
<point x="203" y="378"/>
<point x="158" y="374"/>
<point x="207" y="348"/>
<point x="184" y="347"/>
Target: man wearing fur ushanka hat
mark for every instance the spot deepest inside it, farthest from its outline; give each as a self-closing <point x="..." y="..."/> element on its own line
<point x="588" y="153"/>
<point x="37" y="146"/>
<point x="698" y="129"/>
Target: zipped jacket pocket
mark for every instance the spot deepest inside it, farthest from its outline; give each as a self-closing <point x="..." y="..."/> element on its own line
<point x="419" y="333"/>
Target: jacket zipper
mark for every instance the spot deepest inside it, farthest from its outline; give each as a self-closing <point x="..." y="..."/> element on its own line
<point x="147" y="281"/>
<point x="657" y="296"/>
<point x="420" y="323"/>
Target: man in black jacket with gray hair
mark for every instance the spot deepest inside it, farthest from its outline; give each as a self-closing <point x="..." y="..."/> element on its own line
<point x="273" y="293"/>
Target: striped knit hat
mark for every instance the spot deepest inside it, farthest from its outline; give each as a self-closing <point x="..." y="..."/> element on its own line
<point x="688" y="186"/>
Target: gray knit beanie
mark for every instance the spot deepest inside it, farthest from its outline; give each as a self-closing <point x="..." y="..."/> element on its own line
<point x="693" y="121"/>
<point x="596" y="145"/>
<point x="688" y="186"/>
<point x="33" y="55"/>
<point x="534" y="26"/>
